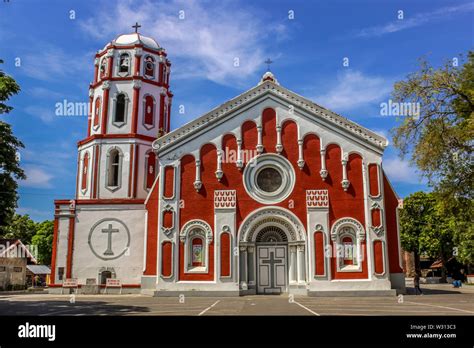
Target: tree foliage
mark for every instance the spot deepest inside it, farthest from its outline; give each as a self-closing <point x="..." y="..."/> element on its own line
<point x="425" y="228"/>
<point x="440" y="143"/>
<point x="30" y="232"/>
<point x="20" y="227"/>
<point x="8" y="88"/>
<point x="43" y="239"/>
<point x="10" y="170"/>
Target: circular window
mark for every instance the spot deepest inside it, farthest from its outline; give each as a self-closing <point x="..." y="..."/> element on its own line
<point x="269" y="178"/>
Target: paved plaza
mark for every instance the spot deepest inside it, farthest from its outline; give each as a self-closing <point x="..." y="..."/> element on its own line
<point x="437" y="300"/>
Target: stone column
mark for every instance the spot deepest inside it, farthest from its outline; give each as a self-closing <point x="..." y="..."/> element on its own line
<point x="243" y="267"/>
<point x="293" y="264"/>
<point x="259" y="141"/>
<point x="279" y="146"/>
<point x="323" y="172"/>
<point x="219" y="172"/>
<point x="345" y="182"/>
<point x="251" y="265"/>
<point x="239" y="162"/>
<point x="300" y="154"/>
<point x="301" y="265"/>
<point x="197" y="182"/>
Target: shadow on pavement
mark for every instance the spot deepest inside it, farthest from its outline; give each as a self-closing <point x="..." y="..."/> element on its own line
<point x="67" y="308"/>
<point x="426" y="291"/>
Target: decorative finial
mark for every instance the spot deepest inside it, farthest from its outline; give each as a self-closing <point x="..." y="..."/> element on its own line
<point x="136" y="26"/>
<point x="268" y="62"/>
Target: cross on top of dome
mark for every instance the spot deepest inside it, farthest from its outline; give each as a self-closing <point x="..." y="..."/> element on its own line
<point x="136" y="26"/>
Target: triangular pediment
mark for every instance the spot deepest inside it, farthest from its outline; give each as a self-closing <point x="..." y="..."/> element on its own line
<point x="270" y="89"/>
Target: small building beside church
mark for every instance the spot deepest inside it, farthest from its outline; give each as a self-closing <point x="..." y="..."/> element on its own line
<point x="15" y="257"/>
<point x="268" y="193"/>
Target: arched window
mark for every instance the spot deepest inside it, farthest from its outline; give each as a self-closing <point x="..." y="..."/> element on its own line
<point x="150" y="169"/>
<point x="149" y="111"/>
<point x="85" y="170"/>
<point x="120" y="106"/>
<point x="347" y="248"/>
<point x="97" y="110"/>
<point x="196" y="235"/>
<point x="348" y="245"/>
<point x="348" y="234"/>
<point x="103" y="68"/>
<point x="114" y="169"/>
<point x="197" y="245"/>
<point x="149" y="67"/>
<point x="124" y="64"/>
<point x="196" y="250"/>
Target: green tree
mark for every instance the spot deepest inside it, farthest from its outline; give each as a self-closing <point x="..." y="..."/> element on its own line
<point x="10" y="170"/>
<point x="459" y="216"/>
<point x="413" y="220"/>
<point x="439" y="142"/>
<point x="43" y="239"/>
<point x="425" y="229"/>
<point x="21" y="227"/>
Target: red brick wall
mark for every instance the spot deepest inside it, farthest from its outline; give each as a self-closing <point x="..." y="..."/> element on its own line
<point x="391" y="204"/>
<point x="199" y="205"/>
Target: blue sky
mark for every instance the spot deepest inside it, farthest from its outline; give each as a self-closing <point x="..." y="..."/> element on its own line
<point x="55" y="56"/>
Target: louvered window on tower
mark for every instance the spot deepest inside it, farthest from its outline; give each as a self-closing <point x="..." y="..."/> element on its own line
<point x="103" y="68"/>
<point x="124" y="63"/>
<point x="120" y="109"/>
<point x="149" y="67"/>
<point x="114" y="168"/>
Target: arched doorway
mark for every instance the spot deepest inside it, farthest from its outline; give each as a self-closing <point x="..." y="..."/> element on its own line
<point x="272" y="258"/>
<point x="272" y="275"/>
<point x="104" y="275"/>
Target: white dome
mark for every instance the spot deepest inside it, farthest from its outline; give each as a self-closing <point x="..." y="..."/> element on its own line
<point x="133" y="39"/>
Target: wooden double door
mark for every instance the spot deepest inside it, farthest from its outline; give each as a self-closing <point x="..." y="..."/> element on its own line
<point x="272" y="269"/>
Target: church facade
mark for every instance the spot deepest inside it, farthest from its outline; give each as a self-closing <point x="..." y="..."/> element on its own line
<point x="268" y="193"/>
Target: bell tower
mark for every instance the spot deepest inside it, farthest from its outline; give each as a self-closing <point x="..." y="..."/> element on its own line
<point x="130" y="105"/>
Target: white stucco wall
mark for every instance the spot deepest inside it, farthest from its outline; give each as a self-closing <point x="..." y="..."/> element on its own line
<point x="61" y="253"/>
<point x="128" y="265"/>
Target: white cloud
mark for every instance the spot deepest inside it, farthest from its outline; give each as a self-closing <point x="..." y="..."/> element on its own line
<point x="353" y="89"/>
<point x="45" y="114"/>
<point x="205" y="44"/>
<point x="37" y="176"/>
<point x="41" y="92"/>
<point x="44" y="162"/>
<point x="49" y="63"/>
<point x="410" y="21"/>
<point x="401" y="171"/>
